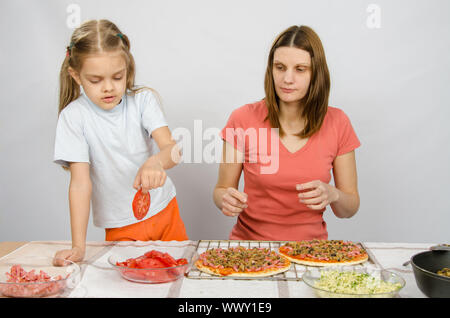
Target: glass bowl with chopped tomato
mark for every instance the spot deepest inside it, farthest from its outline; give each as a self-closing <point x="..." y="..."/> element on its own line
<point x="353" y="282"/>
<point x="33" y="277"/>
<point x="151" y="267"/>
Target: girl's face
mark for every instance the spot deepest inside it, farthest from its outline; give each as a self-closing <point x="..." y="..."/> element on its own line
<point x="291" y="74"/>
<point x="103" y="77"/>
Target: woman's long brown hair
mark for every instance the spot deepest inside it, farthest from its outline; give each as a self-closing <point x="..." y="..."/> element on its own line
<point x="315" y="102"/>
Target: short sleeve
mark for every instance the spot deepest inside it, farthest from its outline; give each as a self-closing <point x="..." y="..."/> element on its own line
<point x="152" y="115"/>
<point x="234" y="131"/>
<point x="70" y="141"/>
<point x="347" y="138"/>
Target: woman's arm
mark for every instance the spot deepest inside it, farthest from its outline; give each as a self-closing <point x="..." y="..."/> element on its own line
<point x="346" y="182"/>
<point x="226" y="195"/>
<point x="80" y="190"/>
<point x="343" y="197"/>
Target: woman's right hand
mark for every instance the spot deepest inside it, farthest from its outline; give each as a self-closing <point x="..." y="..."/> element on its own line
<point x="76" y="254"/>
<point x="233" y="202"/>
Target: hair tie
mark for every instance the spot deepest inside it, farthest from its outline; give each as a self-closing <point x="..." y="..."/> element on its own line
<point x="69" y="49"/>
<point x="120" y="35"/>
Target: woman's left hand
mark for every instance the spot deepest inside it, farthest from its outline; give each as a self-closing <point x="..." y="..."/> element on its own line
<point x="150" y="176"/>
<point x="316" y="194"/>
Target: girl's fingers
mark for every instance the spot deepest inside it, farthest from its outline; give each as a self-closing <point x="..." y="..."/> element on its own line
<point x="163" y="180"/>
<point x="58" y="260"/>
<point x="145" y="183"/>
<point x="137" y="182"/>
<point x="153" y="180"/>
<point x="61" y="256"/>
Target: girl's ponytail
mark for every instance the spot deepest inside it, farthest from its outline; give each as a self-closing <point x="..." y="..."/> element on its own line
<point x="69" y="90"/>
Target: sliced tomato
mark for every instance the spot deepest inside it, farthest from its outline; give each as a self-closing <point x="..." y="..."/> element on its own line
<point x="168" y="260"/>
<point x="147" y="267"/>
<point x="151" y="263"/>
<point x="181" y="261"/>
<point x="164" y="258"/>
<point x="131" y="263"/>
<point x="153" y="253"/>
<point x="123" y="264"/>
<point x="141" y="204"/>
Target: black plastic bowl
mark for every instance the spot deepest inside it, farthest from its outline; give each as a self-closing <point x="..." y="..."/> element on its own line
<point x="425" y="266"/>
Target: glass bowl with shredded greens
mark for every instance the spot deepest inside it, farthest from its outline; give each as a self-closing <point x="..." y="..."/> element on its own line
<point x="353" y="282"/>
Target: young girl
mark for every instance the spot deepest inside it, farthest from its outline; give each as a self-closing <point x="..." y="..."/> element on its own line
<point x="108" y="135"/>
<point x="288" y="201"/>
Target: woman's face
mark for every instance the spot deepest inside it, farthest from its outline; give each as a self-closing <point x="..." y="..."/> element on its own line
<point x="291" y="73"/>
<point x="103" y="77"/>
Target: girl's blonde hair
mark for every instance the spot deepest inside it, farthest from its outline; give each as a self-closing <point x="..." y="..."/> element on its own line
<point x="316" y="99"/>
<point x="94" y="36"/>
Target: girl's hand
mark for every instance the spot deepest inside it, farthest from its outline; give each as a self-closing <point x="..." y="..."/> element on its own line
<point x="76" y="254"/>
<point x="233" y="202"/>
<point x="150" y="176"/>
<point x="316" y="194"/>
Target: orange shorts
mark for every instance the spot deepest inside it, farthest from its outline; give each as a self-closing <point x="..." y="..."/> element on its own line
<point x="166" y="225"/>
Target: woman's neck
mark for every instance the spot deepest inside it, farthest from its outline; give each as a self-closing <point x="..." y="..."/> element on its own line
<point x="291" y="115"/>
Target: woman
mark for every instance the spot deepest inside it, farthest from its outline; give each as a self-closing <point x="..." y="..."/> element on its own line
<point x="297" y="138"/>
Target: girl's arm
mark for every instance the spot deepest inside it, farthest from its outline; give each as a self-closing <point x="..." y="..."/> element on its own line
<point x="169" y="154"/>
<point x="152" y="173"/>
<point x="80" y="190"/>
<point x="226" y="195"/>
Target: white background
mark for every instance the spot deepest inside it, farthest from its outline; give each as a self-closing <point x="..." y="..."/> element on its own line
<point x="206" y="58"/>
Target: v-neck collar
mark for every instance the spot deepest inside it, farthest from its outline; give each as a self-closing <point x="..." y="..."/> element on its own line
<point x="302" y="149"/>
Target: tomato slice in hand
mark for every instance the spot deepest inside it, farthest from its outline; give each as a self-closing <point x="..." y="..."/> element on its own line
<point x="141" y="204"/>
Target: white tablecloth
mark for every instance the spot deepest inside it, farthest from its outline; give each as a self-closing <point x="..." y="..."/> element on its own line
<point x="98" y="279"/>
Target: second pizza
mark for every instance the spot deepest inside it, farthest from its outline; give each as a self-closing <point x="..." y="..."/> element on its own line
<point x="242" y="262"/>
<point x="324" y="252"/>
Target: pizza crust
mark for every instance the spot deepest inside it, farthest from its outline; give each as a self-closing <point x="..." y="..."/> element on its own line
<point x="264" y="273"/>
<point x="312" y="263"/>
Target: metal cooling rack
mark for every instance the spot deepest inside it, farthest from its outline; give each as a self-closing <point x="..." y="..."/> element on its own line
<point x="294" y="273"/>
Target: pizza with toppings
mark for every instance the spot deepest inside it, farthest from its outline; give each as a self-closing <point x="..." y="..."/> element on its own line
<point x="242" y="262"/>
<point x="324" y="252"/>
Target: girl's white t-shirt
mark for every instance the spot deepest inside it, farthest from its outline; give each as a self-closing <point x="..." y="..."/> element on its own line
<point x="115" y="143"/>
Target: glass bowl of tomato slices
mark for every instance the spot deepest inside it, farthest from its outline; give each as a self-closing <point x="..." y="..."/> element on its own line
<point x="152" y="267"/>
<point x="37" y="277"/>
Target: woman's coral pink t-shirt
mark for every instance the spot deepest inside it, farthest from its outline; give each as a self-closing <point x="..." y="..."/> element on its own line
<point x="271" y="173"/>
